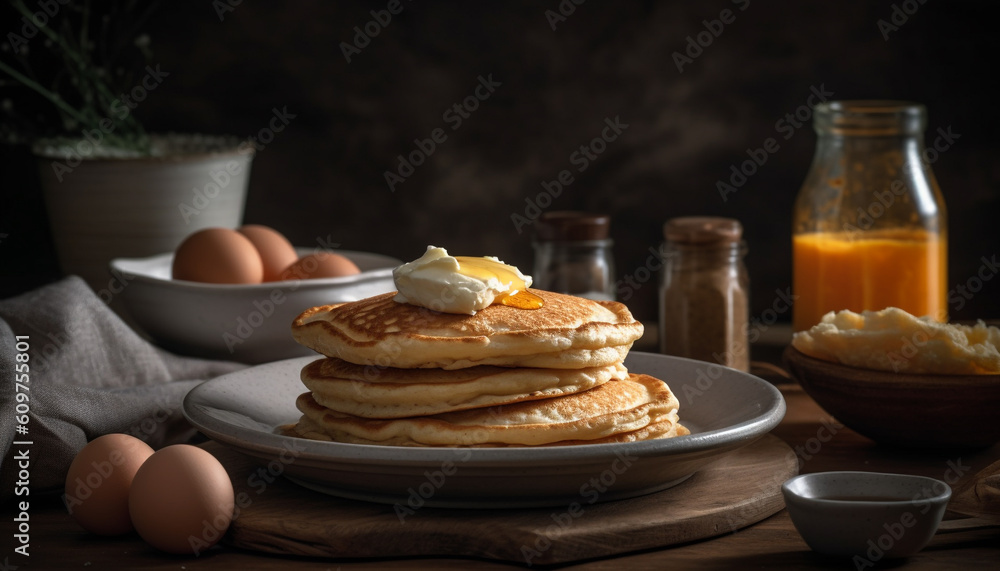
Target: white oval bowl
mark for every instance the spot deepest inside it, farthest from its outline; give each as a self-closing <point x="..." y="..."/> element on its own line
<point x="237" y="322"/>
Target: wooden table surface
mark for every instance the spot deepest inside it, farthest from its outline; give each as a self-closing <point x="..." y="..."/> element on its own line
<point x="58" y="543"/>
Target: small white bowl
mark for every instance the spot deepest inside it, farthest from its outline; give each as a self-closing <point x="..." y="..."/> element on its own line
<point x="866" y="515"/>
<point x="247" y="323"/>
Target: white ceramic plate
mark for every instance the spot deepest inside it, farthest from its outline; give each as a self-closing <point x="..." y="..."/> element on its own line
<point x="725" y="409"/>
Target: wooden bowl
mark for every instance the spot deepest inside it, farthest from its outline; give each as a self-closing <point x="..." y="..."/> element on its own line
<point x="904" y="409"/>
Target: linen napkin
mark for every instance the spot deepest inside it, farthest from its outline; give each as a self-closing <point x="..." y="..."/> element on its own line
<point x="89" y="374"/>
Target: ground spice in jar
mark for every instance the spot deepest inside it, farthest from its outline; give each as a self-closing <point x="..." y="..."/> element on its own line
<point x="703" y="293"/>
<point x="573" y="254"/>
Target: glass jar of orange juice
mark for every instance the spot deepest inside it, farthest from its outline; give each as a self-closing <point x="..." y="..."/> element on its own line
<point x="869" y="228"/>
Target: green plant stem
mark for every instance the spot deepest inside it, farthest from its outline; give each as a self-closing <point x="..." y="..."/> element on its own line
<point x="55" y="99"/>
<point x="96" y="93"/>
<point x="113" y="139"/>
<point x="83" y="65"/>
<point x="85" y="22"/>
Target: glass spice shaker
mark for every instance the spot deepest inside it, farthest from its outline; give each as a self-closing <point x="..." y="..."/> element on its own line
<point x="869" y="228"/>
<point x="573" y="254"/>
<point x="704" y="308"/>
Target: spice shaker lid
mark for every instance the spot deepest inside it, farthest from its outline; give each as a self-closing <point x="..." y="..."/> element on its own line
<point x="703" y="230"/>
<point x="572" y="225"/>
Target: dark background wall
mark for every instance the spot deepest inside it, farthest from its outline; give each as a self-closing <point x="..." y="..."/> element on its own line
<point x="324" y="174"/>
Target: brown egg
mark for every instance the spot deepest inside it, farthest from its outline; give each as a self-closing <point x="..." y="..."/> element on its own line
<point x="182" y="500"/>
<point x="276" y="252"/>
<point x="218" y="256"/>
<point x="320" y="265"/>
<point x="99" y="481"/>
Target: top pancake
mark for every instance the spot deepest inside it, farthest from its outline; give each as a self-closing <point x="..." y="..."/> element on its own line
<point x="567" y="332"/>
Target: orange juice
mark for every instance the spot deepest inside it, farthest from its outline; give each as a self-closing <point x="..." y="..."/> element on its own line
<point x="874" y="270"/>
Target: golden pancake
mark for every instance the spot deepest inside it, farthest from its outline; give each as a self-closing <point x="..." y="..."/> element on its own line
<point x="567" y="332"/>
<point x="668" y="427"/>
<point x="376" y="392"/>
<point x="608" y="410"/>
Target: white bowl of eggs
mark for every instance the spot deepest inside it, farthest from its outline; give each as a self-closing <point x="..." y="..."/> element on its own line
<point x="232" y="294"/>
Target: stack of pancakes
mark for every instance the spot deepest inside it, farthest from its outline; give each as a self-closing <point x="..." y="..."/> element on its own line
<point x="399" y="374"/>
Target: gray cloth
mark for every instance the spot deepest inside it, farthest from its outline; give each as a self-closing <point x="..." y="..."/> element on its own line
<point x="90" y="375"/>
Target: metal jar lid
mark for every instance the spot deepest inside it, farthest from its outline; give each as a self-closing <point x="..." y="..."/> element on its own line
<point x="572" y="225"/>
<point x="703" y="230"/>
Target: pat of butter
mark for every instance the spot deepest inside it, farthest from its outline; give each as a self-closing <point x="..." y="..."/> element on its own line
<point x="456" y="284"/>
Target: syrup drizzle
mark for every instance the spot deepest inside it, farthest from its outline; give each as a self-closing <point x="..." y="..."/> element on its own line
<point x="484" y="269"/>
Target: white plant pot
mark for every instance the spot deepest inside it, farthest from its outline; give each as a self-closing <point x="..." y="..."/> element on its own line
<point x="114" y="207"/>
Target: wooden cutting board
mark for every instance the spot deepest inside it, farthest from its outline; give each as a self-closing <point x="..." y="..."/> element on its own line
<point x="738" y="490"/>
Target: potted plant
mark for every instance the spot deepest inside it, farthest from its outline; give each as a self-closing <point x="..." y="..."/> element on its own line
<point x="73" y="81"/>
